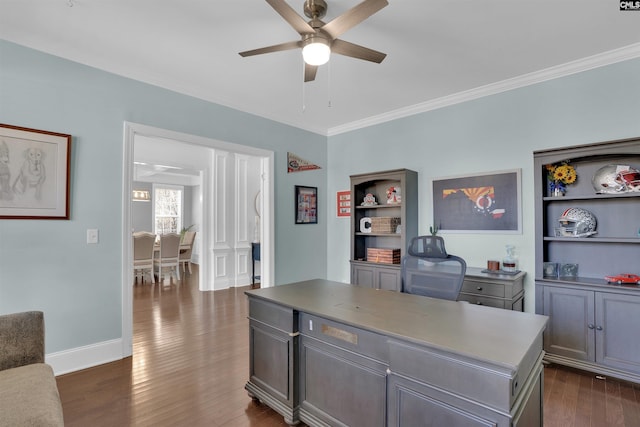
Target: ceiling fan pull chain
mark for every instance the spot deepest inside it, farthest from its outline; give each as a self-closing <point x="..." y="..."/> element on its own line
<point x="329" y="85"/>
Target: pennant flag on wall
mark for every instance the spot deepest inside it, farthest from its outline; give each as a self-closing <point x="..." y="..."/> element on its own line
<point x="298" y="164"/>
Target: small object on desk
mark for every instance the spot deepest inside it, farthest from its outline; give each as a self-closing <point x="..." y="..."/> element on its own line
<point x="493" y="265"/>
<point x="509" y="262"/>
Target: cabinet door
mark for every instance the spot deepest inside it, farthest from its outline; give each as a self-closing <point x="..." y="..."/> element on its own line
<point x="339" y="387"/>
<point x="569" y="332"/>
<point x="273" y="357"/>
<point x="389" y="279"/>
<point x="415" y="404"/>
<point x="270" y="363"/>
<point x="618" y="331"/>
<point x="363" y="275"/>
<point x="376" y="277"/>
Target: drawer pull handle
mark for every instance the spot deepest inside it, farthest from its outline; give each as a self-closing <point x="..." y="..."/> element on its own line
<point x="479" y="288"/>
<point x="590" y="326"/>
<point x="599" y="327"/>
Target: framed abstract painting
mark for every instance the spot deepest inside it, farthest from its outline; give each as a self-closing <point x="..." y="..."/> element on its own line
<point x="482" y="203"/>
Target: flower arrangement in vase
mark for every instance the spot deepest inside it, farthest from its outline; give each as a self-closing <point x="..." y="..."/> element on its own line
<point x="559" y="176"/>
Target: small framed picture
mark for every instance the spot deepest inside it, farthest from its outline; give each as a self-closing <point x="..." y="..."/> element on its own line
<point x="550" y="270"/>
<point x="343" y="203"/>
<point x="306" y="205"/>
<point x="569" y="271"/>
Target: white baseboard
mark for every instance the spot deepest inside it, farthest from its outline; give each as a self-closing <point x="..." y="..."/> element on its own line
<point x="85" y="357"/>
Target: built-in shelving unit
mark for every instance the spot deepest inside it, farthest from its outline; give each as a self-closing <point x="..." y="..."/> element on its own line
<point x="364" y="271"/>
<point x="593" y="325"/>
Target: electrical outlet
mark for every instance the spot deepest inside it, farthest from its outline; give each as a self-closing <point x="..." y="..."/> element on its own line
<point x="92" y="235"/>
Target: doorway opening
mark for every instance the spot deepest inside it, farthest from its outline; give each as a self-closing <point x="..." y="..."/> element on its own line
<point x="219" y="170"/>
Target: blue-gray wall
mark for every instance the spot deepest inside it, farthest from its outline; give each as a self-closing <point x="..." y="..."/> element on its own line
<point x="47" y="265"/>
<point x="498" y="132"/>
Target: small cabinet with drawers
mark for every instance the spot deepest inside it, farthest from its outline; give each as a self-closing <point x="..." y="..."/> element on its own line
<point x="493" y="290"/>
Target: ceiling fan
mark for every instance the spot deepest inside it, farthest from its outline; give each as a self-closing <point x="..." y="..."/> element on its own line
<point x="318" y="39"/>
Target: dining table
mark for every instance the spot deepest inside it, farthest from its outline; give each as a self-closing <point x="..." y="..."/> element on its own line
<point x="183" y="247"/>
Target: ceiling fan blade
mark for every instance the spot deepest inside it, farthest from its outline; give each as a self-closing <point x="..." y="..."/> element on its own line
<point x="356" y="51"/>
<point x="290" y="15"/>
<point x="353" y="17"/>
<point x="269" y="49"/>
<point x="310" y="72"/>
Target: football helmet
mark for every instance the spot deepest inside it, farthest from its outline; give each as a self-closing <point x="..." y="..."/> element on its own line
<point x="615" y="179"/>
<point x="576" y="222"/>
<point x="630" y="178"/>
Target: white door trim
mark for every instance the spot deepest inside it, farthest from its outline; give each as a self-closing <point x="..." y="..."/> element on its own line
<point x="267" y="217"/>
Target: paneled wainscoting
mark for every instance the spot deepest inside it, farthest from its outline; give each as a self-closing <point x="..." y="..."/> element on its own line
<point x="190" y="365"/>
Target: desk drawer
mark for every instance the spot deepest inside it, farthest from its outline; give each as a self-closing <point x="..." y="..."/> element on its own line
<point x="357" y="340"/>
<point x="480" y="300"/>
<point x="277" y="316"/>
<point x="483" y="288"/>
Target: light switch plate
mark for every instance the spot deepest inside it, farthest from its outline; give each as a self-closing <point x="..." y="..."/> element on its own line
<point x="92" y="235"/>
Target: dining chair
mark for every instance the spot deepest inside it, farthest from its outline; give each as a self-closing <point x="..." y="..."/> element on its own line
<point x="143" y="254"/>
<point x="185" y="253"/>
<point x="168" y="255"/>
<point x="429" y="270"/>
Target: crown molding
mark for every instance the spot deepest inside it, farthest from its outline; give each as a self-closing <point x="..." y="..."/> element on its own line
<point x="596" y="61"/>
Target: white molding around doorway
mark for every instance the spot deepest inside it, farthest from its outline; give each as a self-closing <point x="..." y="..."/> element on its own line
<point x="131" y="131"/>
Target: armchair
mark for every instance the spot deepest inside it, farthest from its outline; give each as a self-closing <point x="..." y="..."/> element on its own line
<point x="28" y="391"/>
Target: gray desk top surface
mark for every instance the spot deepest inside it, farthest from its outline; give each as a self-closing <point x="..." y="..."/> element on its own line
<point x="478" y="272"/>
<point x="489" y="334"/>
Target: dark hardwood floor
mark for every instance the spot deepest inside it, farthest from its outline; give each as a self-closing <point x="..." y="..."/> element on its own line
<point x="190" y="364"/>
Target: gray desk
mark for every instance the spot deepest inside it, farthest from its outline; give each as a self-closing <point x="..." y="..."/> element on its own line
<point x="334" y="354"/>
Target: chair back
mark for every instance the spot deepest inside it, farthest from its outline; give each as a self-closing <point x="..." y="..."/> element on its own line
<point x="143" y="245"/>
<point x="22" y="338"/>
<point x="188" y="239"/>
<point x="169" y="247"/>
<point x="428" y="270"/>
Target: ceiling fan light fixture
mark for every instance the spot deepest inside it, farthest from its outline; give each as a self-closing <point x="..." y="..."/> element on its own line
<point x="316" y="51"/>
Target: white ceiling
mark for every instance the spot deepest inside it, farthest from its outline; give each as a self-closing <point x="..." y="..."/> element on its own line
<point x="168" y="161"/>
<point x="439" y="51"/>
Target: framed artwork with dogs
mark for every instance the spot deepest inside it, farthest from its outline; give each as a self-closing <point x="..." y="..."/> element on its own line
<point x="34" y="173"/>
